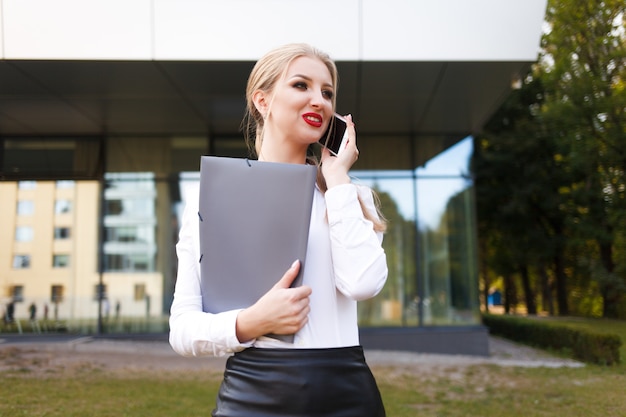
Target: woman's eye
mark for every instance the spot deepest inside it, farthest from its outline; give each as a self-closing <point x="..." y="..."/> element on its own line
<point x="328" y="94"/>
<point x="300" y="85"/>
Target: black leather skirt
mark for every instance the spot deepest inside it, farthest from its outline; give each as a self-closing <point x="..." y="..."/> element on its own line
<point x="298" y="382"/>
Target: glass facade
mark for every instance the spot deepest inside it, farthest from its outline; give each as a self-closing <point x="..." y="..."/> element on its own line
<point x="430" y="241"/>
<point x="129" y="222"/>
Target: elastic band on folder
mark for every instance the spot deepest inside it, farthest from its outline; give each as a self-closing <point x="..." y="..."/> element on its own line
<point x="200" y="215"/>
<point x="201" y="258"/>
<point x="248" y="162"/>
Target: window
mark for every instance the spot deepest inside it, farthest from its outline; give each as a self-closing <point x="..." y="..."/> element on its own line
<point x="56" y="293"/>
<point x="24" y="234"/>
<point x="25" y="208"/>
<point x="17" y="293"/>
<point x="113" y="207"/>
<point x="135" y="206"/>
<point x="130" y="222"/>
<point x="27" y="185"/>
<point x="62" y="206"/>
<point x="140" y="292"/>
<point x="60" y="261"/>
<point x="130" y="234"/>
<point x="65" y="184"/>
<point x="128" y="262"/>
<point x="21" y="261"/>
<point x="61" y="233"/>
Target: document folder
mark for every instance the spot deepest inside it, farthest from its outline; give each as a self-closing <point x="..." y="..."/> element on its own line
<point x="254" y="221"/>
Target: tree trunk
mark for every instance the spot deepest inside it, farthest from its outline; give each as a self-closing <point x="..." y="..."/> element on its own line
<point x="529" y="294"/>
<point x="547" y="302"/>
<point x="561" y="285"/>
<point x="510" y="294"/>
<point x="611" y="295"/>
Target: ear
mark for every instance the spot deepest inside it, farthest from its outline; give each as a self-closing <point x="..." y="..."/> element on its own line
<point x="261" y="102"/>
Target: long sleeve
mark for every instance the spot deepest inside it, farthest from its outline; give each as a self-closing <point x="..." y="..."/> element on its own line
<point x="192" y="331"/>
<point x="359" y="261"/>
<point x="345" y="263"/>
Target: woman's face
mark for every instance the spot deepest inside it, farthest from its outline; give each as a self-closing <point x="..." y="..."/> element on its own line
<point x="302" y="105"/>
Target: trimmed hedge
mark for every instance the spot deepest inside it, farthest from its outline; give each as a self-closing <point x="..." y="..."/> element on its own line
<point x="580" y="344"/>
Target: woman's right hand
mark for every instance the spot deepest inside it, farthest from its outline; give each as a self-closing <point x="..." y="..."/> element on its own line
<point x="282" y="310"/>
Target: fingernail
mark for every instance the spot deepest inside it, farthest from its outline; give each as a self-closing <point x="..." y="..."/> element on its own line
<point x="295" y="263"/>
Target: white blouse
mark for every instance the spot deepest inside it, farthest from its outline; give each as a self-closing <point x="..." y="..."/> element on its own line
<point x="345" y="263"/>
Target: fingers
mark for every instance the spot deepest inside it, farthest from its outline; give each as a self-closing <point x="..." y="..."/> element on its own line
<point x="289" y="310"/>
<point x="293" y="316"/>
<point x="282" y="310"/>
<point x="287" y="279"/>
<point x="335" y="169"/>
<point x="351" y="145"/>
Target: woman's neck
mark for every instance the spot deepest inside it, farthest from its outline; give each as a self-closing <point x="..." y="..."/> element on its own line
<point x="287" y="153"/>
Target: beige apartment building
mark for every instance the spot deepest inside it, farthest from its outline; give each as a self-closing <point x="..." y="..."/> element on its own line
<point x="50" y="254"/>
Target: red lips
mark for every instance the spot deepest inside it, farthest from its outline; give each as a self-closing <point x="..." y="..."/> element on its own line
<point x="313" y="119"/>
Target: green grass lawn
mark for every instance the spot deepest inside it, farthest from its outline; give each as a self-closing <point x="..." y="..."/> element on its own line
<point x="481" y="390"/>
<point x="473" y="391"/>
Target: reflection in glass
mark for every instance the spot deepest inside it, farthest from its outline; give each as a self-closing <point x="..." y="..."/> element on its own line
<point x="429" y="243"/>
<point x="395" y="305"/>
<point x="430" y="247"/>
<point x="447" y="245"/>
<point x="130" y="222"/>
<point x="448" y="261"/>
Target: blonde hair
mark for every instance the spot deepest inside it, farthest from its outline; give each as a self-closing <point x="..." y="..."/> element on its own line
<point x="265" y="74"/>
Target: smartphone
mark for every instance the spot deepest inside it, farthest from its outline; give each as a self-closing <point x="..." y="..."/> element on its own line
<point x="336" y="135"/>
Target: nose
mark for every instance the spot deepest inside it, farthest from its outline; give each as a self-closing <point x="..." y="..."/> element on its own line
<point x="317" y="99"/>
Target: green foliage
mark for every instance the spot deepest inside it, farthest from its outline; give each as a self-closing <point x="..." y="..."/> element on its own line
<point x="551" y="169"/>
<point x="581" y="344"/>
<point x="583" y="69"/>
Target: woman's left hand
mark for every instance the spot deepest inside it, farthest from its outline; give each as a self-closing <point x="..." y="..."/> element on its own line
<point x="335" y="168"/>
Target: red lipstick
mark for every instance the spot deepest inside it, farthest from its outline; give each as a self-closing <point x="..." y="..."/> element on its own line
<point x="313" y="119"/>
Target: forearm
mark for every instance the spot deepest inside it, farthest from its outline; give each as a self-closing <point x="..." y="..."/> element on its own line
<point x="195" y="333"/>
<point x="359" y="261"/>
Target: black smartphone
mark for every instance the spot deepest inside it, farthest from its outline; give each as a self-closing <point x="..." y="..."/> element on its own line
<point x="336" y="135"/>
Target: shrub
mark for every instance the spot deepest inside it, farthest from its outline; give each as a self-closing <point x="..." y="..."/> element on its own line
<point x="580" y="344"/>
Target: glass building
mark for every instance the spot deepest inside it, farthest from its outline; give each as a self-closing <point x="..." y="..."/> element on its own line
<point x="102" y="129"/>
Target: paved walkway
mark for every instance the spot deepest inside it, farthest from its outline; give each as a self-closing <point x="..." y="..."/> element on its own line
<point x="116" y="353"/>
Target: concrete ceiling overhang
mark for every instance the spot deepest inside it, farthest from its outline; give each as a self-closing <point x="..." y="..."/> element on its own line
<point x="119" y="98"/>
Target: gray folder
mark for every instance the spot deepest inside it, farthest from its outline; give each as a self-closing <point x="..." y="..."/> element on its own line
<point x="254" y="223"/>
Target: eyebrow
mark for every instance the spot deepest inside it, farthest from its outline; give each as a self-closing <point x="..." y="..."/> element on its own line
<point x="306" y="77"/>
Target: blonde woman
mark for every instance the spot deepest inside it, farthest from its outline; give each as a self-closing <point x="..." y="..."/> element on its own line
<point x="290" y="102"/>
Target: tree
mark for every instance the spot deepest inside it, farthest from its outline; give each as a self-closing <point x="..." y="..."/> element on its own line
<point x="551" y="165"/>
<point x="518" y="181"/>
<point x="583" y="69"/>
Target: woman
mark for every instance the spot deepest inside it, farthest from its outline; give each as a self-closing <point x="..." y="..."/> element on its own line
<point x="290" y="102"/>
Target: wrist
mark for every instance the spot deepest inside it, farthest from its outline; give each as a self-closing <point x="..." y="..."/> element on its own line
<point x="334" y="180"/>
<point x="245" y="327"/>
